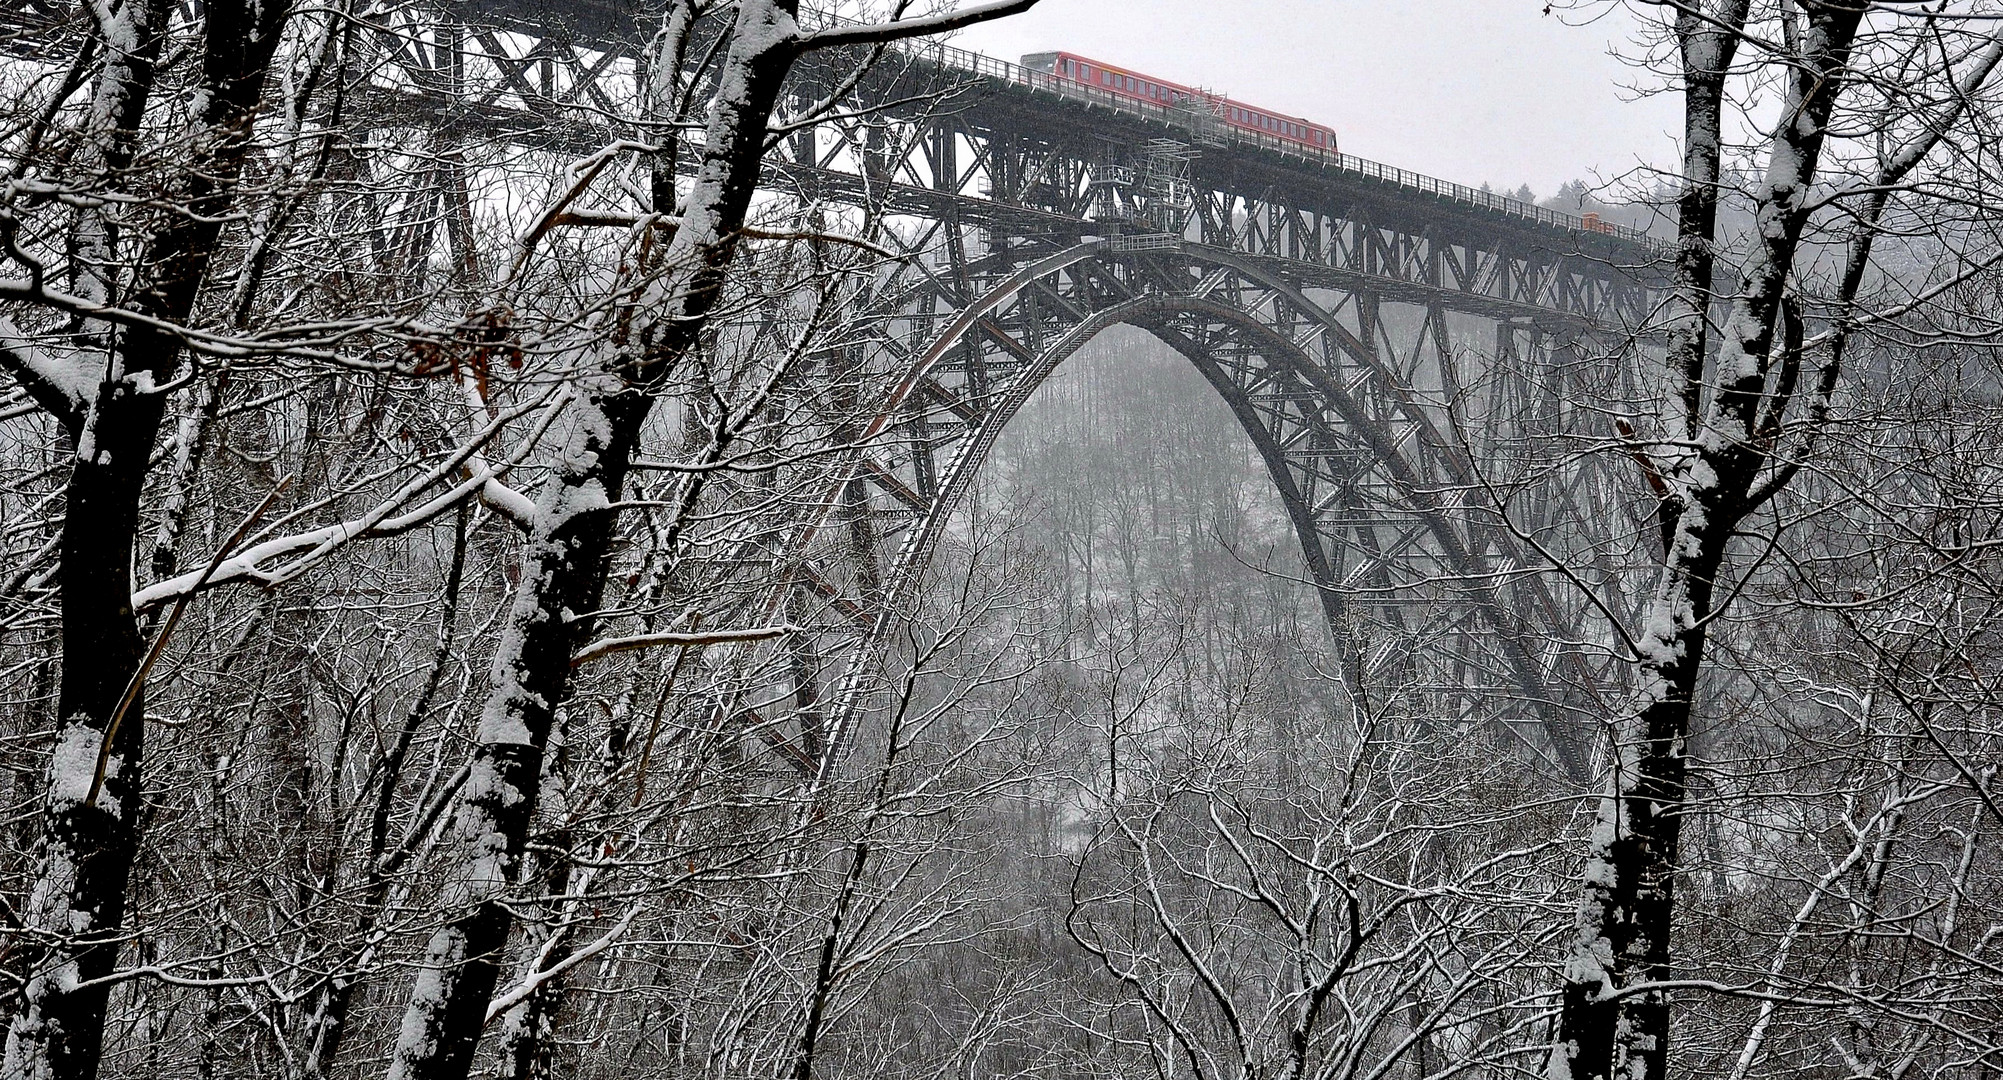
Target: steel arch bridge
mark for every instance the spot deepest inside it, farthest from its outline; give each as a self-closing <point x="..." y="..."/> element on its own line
<point x="1389" y="342"/>
<point x="1331" y="303"/>
<point x="1382" y="489"/>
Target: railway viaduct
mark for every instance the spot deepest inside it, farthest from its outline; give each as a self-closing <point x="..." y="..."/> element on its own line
<point x="1403" y="352"/>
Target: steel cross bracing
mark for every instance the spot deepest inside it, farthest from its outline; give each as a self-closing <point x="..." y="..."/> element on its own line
<point x="1329" y="301"/>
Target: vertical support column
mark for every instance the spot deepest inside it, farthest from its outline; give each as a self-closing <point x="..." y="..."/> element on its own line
<point x="806" y="670"/>
<point x="920" y="441"/>
<point x="943" y="157"/>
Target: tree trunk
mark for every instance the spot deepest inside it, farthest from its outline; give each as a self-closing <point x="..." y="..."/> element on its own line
<point x="1709" y="471"/>
<point x="77" y="906"/>
<point x="565" y="567"/>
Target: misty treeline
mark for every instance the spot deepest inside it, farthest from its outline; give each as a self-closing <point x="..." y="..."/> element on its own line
<point x="385" y="692"/>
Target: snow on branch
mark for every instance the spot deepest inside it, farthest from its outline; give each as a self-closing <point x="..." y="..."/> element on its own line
<point x="62" y="386"/>
<point x="900" y="29"/>
<point x="542" y="975"/>
<point x="608" y="646"/>
<point x="307" y="548"/>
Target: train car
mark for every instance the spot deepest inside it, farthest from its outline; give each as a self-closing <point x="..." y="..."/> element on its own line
<point x="1128" y="83"/>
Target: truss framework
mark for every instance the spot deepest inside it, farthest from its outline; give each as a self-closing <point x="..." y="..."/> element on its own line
<point x="1320" y="300"/>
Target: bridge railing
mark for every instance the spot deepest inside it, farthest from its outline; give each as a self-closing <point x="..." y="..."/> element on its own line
<point x="1215" y="131"/>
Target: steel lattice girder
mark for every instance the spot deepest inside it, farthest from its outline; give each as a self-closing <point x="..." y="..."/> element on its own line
<point x="998" y="183"/>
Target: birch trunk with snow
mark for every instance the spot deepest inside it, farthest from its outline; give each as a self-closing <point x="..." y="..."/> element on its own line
<point x="91" y="828"/>
<point x="565" y="562"/>
<point x="1718" y="457"/>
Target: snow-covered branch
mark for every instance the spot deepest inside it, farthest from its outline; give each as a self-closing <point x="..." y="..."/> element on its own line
<point x="60" y="385"/>
<point x="608" y="646"/>
<point x="901" y="29"/>
<point x="528" y="986"/>
<point x="307" y="548"/>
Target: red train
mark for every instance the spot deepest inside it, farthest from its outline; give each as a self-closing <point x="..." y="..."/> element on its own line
<point x="1126" y="82"/>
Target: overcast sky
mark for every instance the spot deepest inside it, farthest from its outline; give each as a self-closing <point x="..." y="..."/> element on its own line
<point x="1475" y="91"/>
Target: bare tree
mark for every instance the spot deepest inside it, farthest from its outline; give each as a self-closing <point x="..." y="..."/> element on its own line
<point x="137" y="214"/>
<point x="570" y="537"/>
<point x="1860" y="97"/>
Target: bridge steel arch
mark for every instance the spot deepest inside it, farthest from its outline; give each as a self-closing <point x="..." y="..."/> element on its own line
<point x="1367" y="476"/>
<point x="1326" y="298"/>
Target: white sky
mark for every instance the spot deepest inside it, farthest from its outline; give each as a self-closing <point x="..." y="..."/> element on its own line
<point x="1474" y="91"/>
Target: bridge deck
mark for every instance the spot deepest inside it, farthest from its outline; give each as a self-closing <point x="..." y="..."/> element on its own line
<point x="996" y="76"/>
